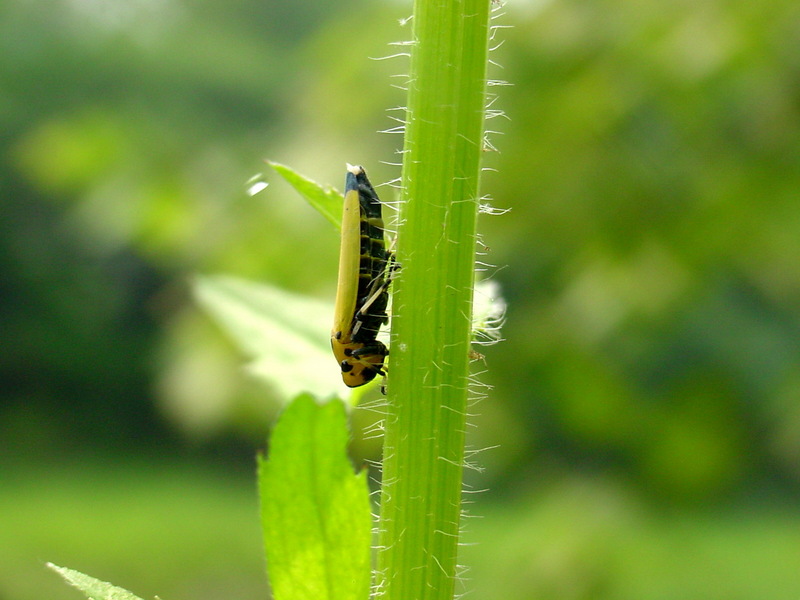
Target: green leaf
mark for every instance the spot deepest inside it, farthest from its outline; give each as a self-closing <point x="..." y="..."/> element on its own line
<point x="315" y="511"/>
<point x="325" y="199"/>
<point x="286" y="335"/>
<point x="94" y="589"/>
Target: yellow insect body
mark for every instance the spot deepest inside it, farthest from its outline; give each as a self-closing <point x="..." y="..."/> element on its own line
<point x="349" y="259"/>
<point x="362" y="294"/>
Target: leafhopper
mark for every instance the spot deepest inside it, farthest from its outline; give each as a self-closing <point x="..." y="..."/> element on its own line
<point x="362" y="291"/>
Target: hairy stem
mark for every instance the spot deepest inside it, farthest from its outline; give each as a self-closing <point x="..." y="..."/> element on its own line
<point x="432" y="302"/>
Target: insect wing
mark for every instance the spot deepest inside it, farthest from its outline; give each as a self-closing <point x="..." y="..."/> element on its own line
<point x="349" y="265"/>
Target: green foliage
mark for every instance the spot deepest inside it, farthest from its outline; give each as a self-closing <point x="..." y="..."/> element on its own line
<point x="585" y="539"/>
<point x="314" y="511"/>
<point x="285" y="335"/>
<point x="645" y="265"/>
<point x="151" y="523"/>
<point x="94" y="589"/>
<point x="649" y="260"/>
<point x="325" y="199"/>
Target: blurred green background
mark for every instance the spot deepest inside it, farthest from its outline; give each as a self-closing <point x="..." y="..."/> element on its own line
<point x="642" y="440"/>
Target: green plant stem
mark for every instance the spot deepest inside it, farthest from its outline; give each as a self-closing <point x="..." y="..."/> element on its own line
<point x="432" y="302"/>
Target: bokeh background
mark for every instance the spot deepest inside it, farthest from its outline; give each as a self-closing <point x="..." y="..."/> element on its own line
<point x="642" y="439"/>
